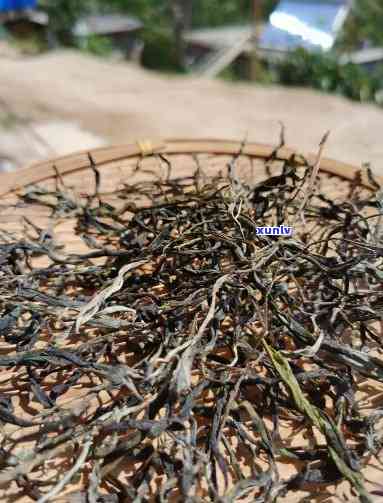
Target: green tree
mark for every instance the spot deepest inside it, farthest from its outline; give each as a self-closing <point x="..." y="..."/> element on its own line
<point x="323" y="71"/>
<point x="364" y="25"/>
<point x="63" y="15"/>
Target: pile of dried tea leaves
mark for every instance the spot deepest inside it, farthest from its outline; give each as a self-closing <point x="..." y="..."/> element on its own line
<point x="186" y="357"/>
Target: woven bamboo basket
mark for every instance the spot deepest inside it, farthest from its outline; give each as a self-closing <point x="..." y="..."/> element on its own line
<point x="117" y="165"/>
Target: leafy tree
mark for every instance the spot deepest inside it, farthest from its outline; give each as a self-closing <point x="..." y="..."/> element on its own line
<point x="63" y="15"/>
<point x="166" y="20"/>
<point x="364" y="25"/>
<point x="324" y="72"/>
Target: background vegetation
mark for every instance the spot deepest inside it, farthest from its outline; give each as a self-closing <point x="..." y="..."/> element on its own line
<point x="166" y="20"/>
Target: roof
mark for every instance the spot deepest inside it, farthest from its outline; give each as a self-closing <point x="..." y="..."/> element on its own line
<point x="106" y="24"/>
<point x="33" y="16"/>
<point x="364" y="56"/>
<point x="312" y="24"/>
<point x="38" y="17"/>
<point x="220" y="37"/>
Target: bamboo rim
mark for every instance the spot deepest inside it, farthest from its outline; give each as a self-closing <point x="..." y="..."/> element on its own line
<point x="78" y="161"/>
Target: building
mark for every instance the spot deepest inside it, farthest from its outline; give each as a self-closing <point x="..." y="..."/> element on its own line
<point x="122" y="31"/>
<point x="21" y="18"/>
<point x="369" y="58"/>
<point x="208" y="47"/>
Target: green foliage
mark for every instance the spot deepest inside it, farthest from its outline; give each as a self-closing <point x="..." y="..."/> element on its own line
<point x="7" y="121"/>
<point x="63" y="15"/>
<point x="215" y="13"/>
<point x="159" y="50"/>
<point x="158" y="36"/>
<point x="153" y="13"/>
<point x="364" y="25"/>
<point x="205" y="12"/>
<point x="324" y="72"/>
<point x="320" y="71"/>
<point x="30" y="45"/>
<point x="95" y="44"/>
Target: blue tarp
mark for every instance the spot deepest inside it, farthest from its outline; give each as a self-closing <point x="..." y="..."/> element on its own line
<point x="11" y="5"/>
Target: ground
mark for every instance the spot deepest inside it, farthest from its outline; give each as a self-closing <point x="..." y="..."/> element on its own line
<point x="77" y="101"/>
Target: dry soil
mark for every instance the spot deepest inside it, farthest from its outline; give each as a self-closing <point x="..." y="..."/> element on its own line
<point x="119" y="102"/>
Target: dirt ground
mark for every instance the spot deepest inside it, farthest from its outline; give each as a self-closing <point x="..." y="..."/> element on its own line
<point x="108" y="102"/>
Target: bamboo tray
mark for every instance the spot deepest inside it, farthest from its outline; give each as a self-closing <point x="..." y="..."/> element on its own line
<point x="117" y="165"/>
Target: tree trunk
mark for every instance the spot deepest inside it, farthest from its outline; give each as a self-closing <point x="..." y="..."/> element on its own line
<point x="182" y="19"/>
<point x="254" y="61"/>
